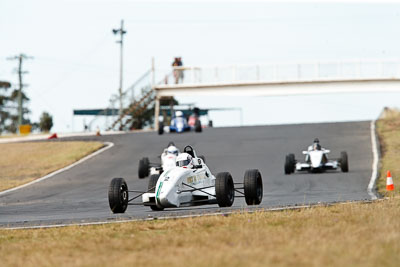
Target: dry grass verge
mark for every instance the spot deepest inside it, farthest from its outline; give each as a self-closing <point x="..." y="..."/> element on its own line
<point x="342" y="235"/>
<point x="22" y="135"/>
<point x="21" y="163"/>
<point x="388" y="128"/>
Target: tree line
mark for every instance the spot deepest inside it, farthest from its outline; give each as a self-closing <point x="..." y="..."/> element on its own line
<point x="9" y="111"/>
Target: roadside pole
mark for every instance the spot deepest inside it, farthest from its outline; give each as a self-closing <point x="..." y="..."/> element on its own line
<point x="20" y="72"/>
<point x="156" y="99"/>
<point x="121" y="31"/>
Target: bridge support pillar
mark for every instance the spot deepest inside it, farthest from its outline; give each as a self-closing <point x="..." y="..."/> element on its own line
<point x="157" y="113"/>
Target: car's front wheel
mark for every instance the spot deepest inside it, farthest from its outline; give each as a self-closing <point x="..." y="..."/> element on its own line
<point x="160" y="128"/>
<point x="344" y="162"/>
<point x="290" y="164"/>
<point x="118" y="195"/>
<point x="253" y="187"/>
<point x="197" y="126"/>
<point x="224" y="189"/>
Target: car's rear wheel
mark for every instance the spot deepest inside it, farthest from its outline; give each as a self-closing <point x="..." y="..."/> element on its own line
<point x="344" y="162"/>
<point x="224" y="189"/>
<point x="197" y="126"/>
<point x="152" y="189"/>
<point x="160" y="128"/>
<point x="253" y="187"/>
<point x="118" y="195"/>
<point x="144" y="165"/>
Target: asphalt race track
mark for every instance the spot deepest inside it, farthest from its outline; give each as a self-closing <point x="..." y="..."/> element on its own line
<point x="80" y="194"/>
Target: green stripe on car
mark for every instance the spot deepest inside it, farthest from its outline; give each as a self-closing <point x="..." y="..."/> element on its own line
<point x="158" y="191"/>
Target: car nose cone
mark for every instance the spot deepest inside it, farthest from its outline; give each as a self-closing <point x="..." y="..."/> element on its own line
<point x="166" y="195"/>
<point x="316" y="159"/>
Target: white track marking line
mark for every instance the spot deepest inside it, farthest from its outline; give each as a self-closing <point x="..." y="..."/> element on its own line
<point x="374" y="175"/>
<point x="191" y="215"/>
<point x="108" y="145"/>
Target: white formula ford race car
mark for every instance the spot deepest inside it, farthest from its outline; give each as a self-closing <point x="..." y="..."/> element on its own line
<point x="189" y="183"/>
<point x="316" y="160"/>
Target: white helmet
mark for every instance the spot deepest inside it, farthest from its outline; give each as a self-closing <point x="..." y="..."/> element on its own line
<point x="172" y="150"/>
<point x="179" y="114"/>
<point x="184" y="160"/>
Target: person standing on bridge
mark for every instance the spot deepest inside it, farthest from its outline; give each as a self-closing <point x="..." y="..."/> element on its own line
<point x="175" y="71"/>
<point x="180" y="64"/>
<point x="178" y="73"/>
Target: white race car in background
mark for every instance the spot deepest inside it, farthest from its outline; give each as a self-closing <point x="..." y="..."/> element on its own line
<point x="188" y="186"/>
<point x="316" y="160"/>
<point x="168" y="161"/>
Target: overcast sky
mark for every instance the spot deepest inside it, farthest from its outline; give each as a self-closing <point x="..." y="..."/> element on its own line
<point x="76" y="60"/>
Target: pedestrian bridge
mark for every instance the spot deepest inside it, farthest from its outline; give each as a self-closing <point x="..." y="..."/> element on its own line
<point x="272" y="79"/>
<point x="285" y="79"/>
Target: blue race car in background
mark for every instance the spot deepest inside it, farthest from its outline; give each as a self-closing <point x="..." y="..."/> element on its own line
<point x="179" y="124"/>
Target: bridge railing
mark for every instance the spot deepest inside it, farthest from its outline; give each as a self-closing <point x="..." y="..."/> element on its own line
<point x="282" y="72"/>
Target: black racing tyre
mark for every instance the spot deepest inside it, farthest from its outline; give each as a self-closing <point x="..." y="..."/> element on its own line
<point x="253" y="187"/>
<point x="197" y="126"/>
<point x="203" y="158"/>
<point x="288" y="168"/>
<point x="143" y="169"/>
<point x="224" y="189"/>
<point x="292" y="161"/>
<point x="290" y="164"/>
<point x="160" y="128"/>
<point x="118" y="195"/>
<point x="344" y="162"/>
<point x="151" y="187"/>
<point x="156" y="208"/>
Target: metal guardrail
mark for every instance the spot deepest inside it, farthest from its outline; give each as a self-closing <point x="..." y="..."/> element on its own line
<point x="281" y="72"/>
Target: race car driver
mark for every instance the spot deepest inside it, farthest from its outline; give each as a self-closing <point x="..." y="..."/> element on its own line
<point x="184" y="160"/>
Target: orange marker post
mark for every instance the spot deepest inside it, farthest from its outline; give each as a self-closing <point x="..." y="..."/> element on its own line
<point x="389" y="182"/>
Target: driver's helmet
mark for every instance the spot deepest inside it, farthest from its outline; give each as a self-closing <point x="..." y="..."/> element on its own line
<point x="172" y="150"/>
<point x="316" y="146"/>
<point x="316" y="140"/>
<point x="179" y="114"/>
<point x="184" y="160"/>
